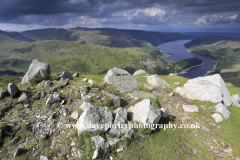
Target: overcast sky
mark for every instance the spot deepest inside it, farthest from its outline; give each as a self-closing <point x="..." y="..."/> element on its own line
<point x="19" y="15"/>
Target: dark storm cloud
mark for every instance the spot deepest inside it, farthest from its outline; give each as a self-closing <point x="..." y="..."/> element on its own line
<point x="59" y="12"/>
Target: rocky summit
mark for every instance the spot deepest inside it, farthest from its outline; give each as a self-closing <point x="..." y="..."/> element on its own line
<point x="100" y="117"/>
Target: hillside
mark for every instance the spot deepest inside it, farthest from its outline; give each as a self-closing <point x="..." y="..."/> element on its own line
<point x="225" y="51"/>
<point x="32" y="128"/>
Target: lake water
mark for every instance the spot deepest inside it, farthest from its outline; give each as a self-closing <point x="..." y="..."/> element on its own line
<point x="179" y="52"/>
<point x="3" y="56"/>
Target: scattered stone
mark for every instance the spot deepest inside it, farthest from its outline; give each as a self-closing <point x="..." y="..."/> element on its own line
<point x="22" y="97"/>
<point x="148" y="86"/>
<point x="85" y="80"/>
<point x="1" y="133"/>
<point x="16" y="139"/>
<point x="223" y="110"/>
<point x="219" y="154"/>
<point x="12" y="89"/>
<point x="156" y="93"/>
<point x="136" y="94"/>
<point x="85" y="105"/>
<point x="121" y="80"/>
<point x="27" y="88"/>
<point x="92" y="119"/>
<point x="139" y="72"/>
<point x="190" y="108"/>
<point x="53" y="98"/>
<point x="75" y="115"/>
<point x="89" y="96"/>
<point x="66" y="75"/>
<point x="115" y="100"/>
<point x="145" y="112"/>
<point x="156" y="81"/>
<point x="194" y="152"/>
<point x="173" y="74"/>
<point x="37" y="70"/>
<point x="3" y="93"/>
<point x="122" y="148"/>
<point x="164" y="112"/>
<point x="177" y="83"/>
<point x="47" y="83"/>
<point x="97" y="153"/>
<point x="43" y="157"/>
<point x="76" y="153"/>
<point x="217" y="117"/>
<point x="99" y="142"/>
<point x="76" y="74"/>
<point x="84" y="90"/>
<point x="210" y="88"/>
<point x="90" y="81"/>
<point x="236" y="100"/>
<point x="171" y="94"/>
<point x="112" y="141"/>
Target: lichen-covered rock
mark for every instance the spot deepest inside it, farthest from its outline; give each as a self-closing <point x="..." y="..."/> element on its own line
<point x="37" y="70"/>
<point x="139" y="72"/>
<point x="145" y="112"/>
<point x="210" y="88"/>
<point x="66" y="75"/>
<point x="99" y="142"/>
<point x="121" y="80"/>
<point x="12" y="89"/>
<point x="94" y="118"/>
<point x="155" y="81"/>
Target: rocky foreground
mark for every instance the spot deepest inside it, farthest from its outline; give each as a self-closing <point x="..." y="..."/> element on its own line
<point x="51" y="119"/>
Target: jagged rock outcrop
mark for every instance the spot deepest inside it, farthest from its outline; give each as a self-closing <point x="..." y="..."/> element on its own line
<point x="13" y="89"/>
<point x="93" y="118"/>
<point x="139" y="72"/>
<point x="121" y="80"/>
<point x="145" y="112"/>
<point x="37" y="70"/>
<point x="66" y="75"/>
<point x="210" y="88"/>
<point x="155" y="81"/>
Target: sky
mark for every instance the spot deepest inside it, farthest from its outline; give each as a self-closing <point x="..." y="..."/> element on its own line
<point x="20" y="15"/>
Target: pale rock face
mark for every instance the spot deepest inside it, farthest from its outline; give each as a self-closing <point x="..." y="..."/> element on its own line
<point x="145" y="112"/>
<point x="155" y="81"/>
<point x="223" y="110"/>
<point x="190" y="108"/>
<point x="210" y="88"/>
<point x="94" y="118"/>
<point x="121" y="80"/>
<point x="236" y="100"/>
<point x="139" y="72"/>
<point x="37" y="70"/>
<point x="217" y="117"/>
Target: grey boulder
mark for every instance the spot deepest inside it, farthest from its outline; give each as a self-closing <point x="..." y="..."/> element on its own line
<point x="217" y="117"/>
<point x="139" y="72"/>
<point x="121" y="80"/>
<point x="223" y="110"/>
<point x="210" y="88"/>
<point x="190" y="108"/>
<point x="145" y="112"/>
<point x="37" y="70"/>
<point x="99" y="142"/>
<point x="53" y="98"/>
<point x="236" y="100"/>
<point x="164" y="112"/>
<point x="12" y="89"/>
<point x="115" y="100"/>
<point x="66" y="75"/>
<point x="22" y="97"/>
<point x="94" y="118"/>
<point x="155" y="81"/>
